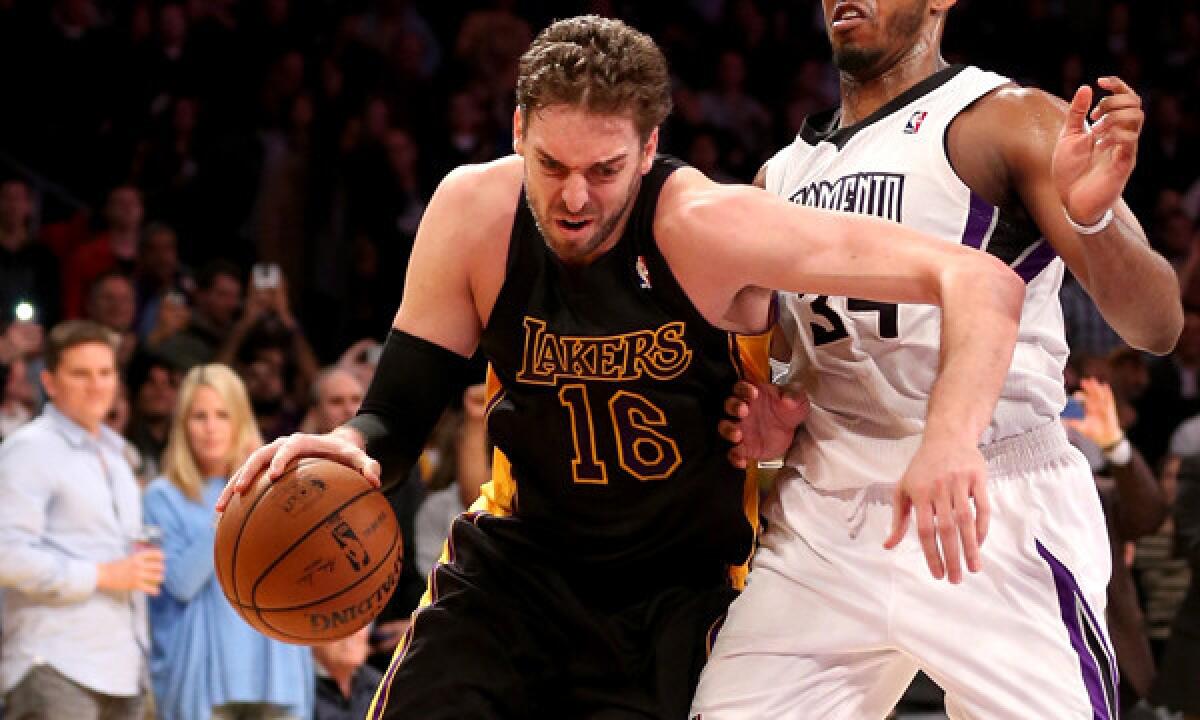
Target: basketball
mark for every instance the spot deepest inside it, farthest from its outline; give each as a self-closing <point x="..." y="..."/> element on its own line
<point x="311" y="557"/>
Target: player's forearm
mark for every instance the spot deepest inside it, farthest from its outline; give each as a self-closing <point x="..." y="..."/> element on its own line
<point x="980" y="315"/>
<point x="1134" y="287"/>
<point x="414" y="381"/>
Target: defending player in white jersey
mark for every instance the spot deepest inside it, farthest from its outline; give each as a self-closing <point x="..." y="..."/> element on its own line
<point x="844" y="604"/>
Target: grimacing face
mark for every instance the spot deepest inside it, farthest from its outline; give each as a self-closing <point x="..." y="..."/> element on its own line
<point x="582" y="173"/>
<point x="868" y="36"/>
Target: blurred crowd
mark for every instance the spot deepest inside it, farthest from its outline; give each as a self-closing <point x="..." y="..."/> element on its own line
<point x="236" y="184"/>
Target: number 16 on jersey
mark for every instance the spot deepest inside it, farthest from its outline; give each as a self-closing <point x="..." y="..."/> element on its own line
<point x="644" y="450"/>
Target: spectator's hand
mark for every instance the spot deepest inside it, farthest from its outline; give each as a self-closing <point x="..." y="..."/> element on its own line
<point x="356" y="360"/>
<point x="21" y="339"/>
<point x="387" y="635"/>
<point x="342" y="445"/>
<point x="1091" y="165"/>
<point x="258" y="303"/>
<point x="278" y="299"/>
<point x="141" y="571"/>
<point x="764" y="420"/>
<point x="939" y="486"/>
<point x="1100" y="422"/>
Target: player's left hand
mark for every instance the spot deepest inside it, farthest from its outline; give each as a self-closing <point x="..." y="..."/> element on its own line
<point x="946" y="487"/>
<point x="1092" y="165"/>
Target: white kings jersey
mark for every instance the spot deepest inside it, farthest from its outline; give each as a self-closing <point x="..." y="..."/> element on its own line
<point x="868" y="367"/>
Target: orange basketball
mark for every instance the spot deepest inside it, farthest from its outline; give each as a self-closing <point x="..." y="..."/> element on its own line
<point x="309" y="558"/>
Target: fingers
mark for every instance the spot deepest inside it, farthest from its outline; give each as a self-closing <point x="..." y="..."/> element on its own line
<point x="1127" y="108"/>
<point x="945" y="521"/>
<point x="795" y="404"/>
<point x="983" y="508"/>
<point x="1077" y="112"/>
<point x="964" y="518"/>
<point x="371" y="471"/>
<point x="730" y="430"/>
<point x="285" y="452"/>
<point x="238" y="482"/>
<point x="737" y="458"/>
<point x="927" y="532"/>
<point x="901" y="506"/>
<point x="1117" y="86"/>
<point x="736" y="407"/>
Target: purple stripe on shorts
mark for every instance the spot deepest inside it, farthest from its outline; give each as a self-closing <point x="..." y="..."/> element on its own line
<point x="1036" y="261"/>
<point x="979" y="220"/>
<point x="1101" y="691"/>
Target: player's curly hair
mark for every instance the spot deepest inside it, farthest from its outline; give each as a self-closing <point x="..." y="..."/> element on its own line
<point x="600" y="64"/>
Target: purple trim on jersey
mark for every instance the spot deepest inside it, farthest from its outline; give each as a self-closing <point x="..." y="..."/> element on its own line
<point x="979" y="220"/>
<point x="1036" y="261"/>
<point x="1073" y="606"/>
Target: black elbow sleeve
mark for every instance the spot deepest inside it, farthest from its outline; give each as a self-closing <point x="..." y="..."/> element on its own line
<point x="413" y="383"/>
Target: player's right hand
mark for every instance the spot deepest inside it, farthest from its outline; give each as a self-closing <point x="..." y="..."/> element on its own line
<point x="762" y="420"/>
<point x="141" y="571"/>
<point x="275" y="456"/>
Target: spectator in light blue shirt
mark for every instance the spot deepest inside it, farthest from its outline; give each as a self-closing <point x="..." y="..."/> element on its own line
<point x="74" y="618"/>
<point x="206" y="662"/>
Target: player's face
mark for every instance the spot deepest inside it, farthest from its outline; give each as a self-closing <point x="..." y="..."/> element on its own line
<point x="582" y="172"/>
<point x="209" y="426"/>
<point x="868" y="36"/>
<point x="84" y="385"/>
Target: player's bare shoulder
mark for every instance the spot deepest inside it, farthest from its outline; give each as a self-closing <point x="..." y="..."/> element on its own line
<point x="476" y="203"/>
<point x="1001" y="135"/>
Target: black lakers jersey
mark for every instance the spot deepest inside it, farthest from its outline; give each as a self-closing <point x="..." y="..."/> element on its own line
<point x="605" y="389"/>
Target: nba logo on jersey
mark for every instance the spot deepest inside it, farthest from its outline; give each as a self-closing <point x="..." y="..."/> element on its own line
<point x="914" y="122"/>
<point x="643" y="273"/>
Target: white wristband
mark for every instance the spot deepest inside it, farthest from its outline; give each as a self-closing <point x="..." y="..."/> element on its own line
<point x="1121" y="454"/>
<point x="1099" y="227"/>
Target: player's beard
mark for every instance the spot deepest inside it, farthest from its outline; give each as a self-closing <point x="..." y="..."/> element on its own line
<point x="865" y="62"/>
<point x="605" y="226"/>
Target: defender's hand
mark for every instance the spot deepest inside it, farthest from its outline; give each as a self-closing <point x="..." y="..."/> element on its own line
<point x="1092" y="165"/>
<point x="274" y="457"/>
<point x="946" y="487"/>
<point x="763" y="420"/>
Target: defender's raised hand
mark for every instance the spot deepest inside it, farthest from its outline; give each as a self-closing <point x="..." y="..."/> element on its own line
<point x="1092" y="165"/>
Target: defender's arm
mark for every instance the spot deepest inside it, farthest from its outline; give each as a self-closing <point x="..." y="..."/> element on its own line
<point x="1060" y="167"/>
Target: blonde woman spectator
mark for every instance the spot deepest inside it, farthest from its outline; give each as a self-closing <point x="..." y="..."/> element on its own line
<point x="205" y="661"/>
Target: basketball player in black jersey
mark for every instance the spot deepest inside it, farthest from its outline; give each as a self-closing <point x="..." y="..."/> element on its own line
<point x="617" y="296"/>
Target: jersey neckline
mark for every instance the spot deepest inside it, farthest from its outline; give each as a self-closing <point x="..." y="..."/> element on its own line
<point x="822" y="126"/>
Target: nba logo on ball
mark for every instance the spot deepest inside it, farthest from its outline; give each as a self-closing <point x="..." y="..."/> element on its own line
<point x="914" y="122"/>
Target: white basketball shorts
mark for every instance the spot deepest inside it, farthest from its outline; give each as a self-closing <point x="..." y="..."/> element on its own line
<point x="831" y="626"/>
